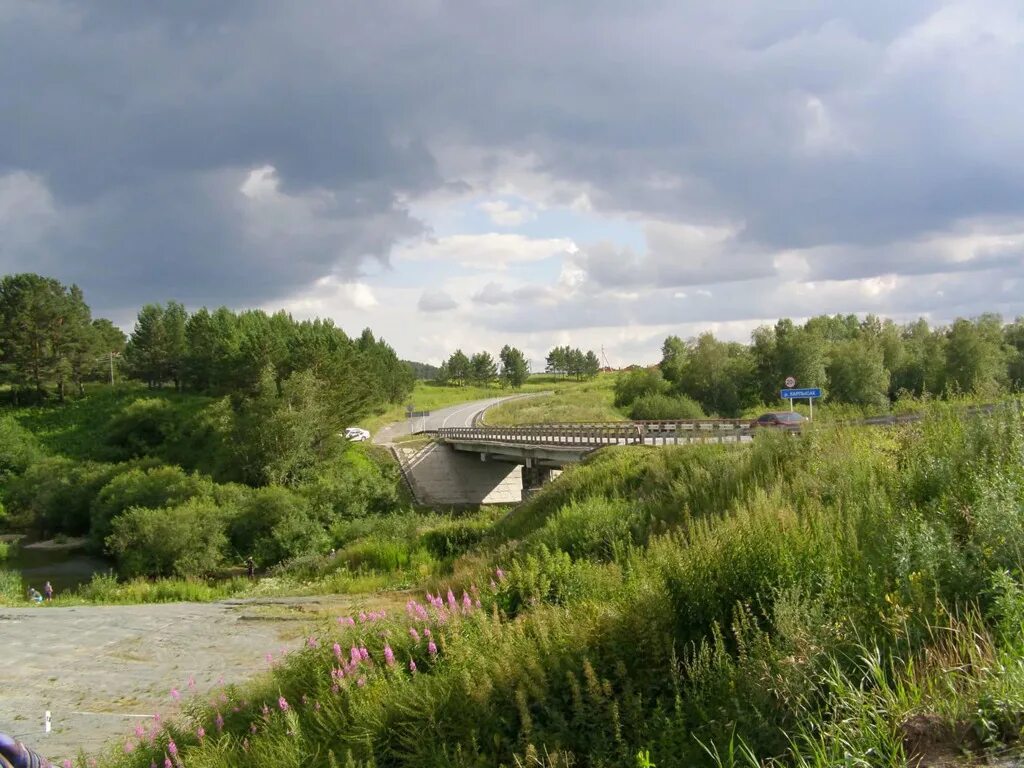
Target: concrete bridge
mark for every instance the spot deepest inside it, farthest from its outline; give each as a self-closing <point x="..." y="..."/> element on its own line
<point x="480" y="464"/>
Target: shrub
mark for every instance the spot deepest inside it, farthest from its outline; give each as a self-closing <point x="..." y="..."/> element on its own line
<point x="12" y="590"/>
<point x="54" y="494"/>
<point x="590" y="528"/>
<point x="351" y="485"/>
<point x="632" y="385"/>
<point x="18" y="447"/>
<point x="274" y="524"/>
<point x="657" y="406"/>
<point x="143" y="425"/>
<point x="186" y="540"/>
<point x="455" y="537"/>
<point x="150" y="487"/>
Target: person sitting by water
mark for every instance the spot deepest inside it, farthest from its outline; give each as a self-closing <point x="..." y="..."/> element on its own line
<point x="34" y="596"/>
<point x="48" y="591"/>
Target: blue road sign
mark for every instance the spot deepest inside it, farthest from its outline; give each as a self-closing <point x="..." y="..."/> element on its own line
<point x="801" y="394"/>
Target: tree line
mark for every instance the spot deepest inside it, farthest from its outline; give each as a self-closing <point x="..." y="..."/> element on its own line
<point x="512" y="369"/>
<point x="869" y="362"/>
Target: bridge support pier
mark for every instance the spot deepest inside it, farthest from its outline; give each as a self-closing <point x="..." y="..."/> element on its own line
<point x="534" y="478"/>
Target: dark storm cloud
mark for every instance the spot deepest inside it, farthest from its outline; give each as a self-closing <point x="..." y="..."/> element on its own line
<point x="814" y="124"/>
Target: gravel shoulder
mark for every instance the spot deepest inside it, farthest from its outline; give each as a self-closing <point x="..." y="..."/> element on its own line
<point x="100" y="669"/>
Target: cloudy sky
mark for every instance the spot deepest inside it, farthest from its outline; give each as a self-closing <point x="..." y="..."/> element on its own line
<point x="471" y="173"/>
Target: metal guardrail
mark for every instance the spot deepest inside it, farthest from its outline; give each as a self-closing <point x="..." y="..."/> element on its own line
<point x="608" y="433"/>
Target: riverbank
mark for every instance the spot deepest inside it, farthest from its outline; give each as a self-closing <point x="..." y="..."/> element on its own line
<point x="101" y="670"/>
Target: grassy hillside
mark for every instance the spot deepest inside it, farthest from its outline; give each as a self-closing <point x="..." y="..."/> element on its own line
<point x="853" y="597"/>
<point x="569" y="402"/>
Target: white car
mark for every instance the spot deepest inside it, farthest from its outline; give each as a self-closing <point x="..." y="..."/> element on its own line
<point x="356" y="434"/>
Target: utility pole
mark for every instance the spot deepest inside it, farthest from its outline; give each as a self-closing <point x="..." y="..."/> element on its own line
<point x="111" y="368"/>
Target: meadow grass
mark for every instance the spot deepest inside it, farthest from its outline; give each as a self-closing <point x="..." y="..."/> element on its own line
<point x="852" y="597"/>
<point x="585" y="401"/>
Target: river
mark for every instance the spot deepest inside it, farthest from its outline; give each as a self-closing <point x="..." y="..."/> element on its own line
<point x="63" y="568"/>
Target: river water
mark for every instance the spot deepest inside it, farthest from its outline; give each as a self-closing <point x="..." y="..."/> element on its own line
<point x="63" y="568"/>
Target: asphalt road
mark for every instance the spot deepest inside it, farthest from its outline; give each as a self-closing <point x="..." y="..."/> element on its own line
<point x="461" y="415"/>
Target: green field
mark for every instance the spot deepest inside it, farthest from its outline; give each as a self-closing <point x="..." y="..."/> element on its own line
<point x="589" y="401"/>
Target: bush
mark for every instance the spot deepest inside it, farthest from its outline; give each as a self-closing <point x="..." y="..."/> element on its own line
<point x="274" y="524"/>
<point x="631" y="386"/>
<point x="352" y="485"/>
<point x="54" y="494"/>
<point x="144" y="425"/>
<point x="151" y="487"/>
<point x="18" y="448"/>
<point x="12" y="590"/>
<point x="594" y="528"/>
<point x="658" y="407"/>
<point x="187" y="540"/>
<point x="456" y="537"/>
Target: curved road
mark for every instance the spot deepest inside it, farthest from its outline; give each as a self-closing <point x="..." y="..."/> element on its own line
<point x="461" y="415"/>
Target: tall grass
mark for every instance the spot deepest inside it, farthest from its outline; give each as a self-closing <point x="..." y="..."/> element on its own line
<point x="850" y="598"/>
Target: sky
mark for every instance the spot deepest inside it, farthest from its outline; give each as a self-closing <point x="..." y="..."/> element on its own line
<point x="475" y="173"/>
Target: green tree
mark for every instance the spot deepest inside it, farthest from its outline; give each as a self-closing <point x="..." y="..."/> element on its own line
<point x="976" y="360"/>
<point x="482" y="368"/>
<point x="147" y="350"/>
<point x="720" y="376"/>
<point x="857" y="373"/>
<point x="458" y="368"/>
<point x="514" y="369"/>
<point x="631" y="385"/>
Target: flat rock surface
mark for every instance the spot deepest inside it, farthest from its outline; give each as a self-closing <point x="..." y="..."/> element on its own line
<point x="100" y="669"/>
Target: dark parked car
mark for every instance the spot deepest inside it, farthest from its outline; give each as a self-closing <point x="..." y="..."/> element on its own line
<point x="778" y="419"/>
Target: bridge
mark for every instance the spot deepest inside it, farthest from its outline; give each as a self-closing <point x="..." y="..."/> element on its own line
<point x="543" y="448"/>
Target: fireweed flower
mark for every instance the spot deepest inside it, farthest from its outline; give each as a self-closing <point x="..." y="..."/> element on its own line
<point x="337" y="651"/>
<point x="500" y="574"/>
<point x="200" y="732"/>
<point x="270" y="658"/>
<point x="168" y="763"/>
<point x="389" y="655"/>
<point x="414" y="634"/>
<point x="172" y="747"/>
<point x="140" y="731"/>
<point x="219" y="722"/>
<point x="312" y="643"/>
<point x="363" y="653"/>
<point x="361" y="682"/>
<point x="451" y="600"/>
<point x="129" y="747"/>
<point x="282" y="704"/>
<point x="467" y="604"/>
<point x="175" y="694"/>
<point x="431" y="648"/>
<point x="426" y="631"/>
<point x="412" y="666"/>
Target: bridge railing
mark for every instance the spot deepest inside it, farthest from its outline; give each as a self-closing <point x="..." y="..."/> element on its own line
<point x="606" y="433"/>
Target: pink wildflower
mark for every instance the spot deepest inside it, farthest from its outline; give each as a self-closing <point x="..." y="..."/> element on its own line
<point x="500" y="574"/>
<point x="361" y="682"/>
<point x="270" y="658"/>
<point x="363" y="653"/>
<point x="389" y="655"/>
<point x="219" y="722"/>
<point x="467" y="604"/>
<point x="312" y="642"/>
<point x="431" y="648"/>
<point x="412" y="666"/>
<point x="335" y="688"/>
<point x="67" y="763"/>
<point x="451" y="600"/>
<point x="175" y="694"/>
<point x="201" y="732"/>
<point x="337" y="651"/>
<point x="129" y="747"/>
<point x="426" y="631"/>
<point x="172" y="747"/>
<point x="282" y="704"/>
<point x="168" y="763"/>
<point x="414" y="634"/>
<point x="140" y="731"/>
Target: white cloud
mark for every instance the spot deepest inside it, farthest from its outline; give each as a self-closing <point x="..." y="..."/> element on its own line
<point x="487" y="251"/>
<point x="261" y="182"/>
<point x="504" y="214"/>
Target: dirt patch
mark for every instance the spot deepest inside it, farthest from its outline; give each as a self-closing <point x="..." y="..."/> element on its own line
<point x="930" y="741"/>
<point x="101" y="669"/>
<point x="58" y="544"/>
